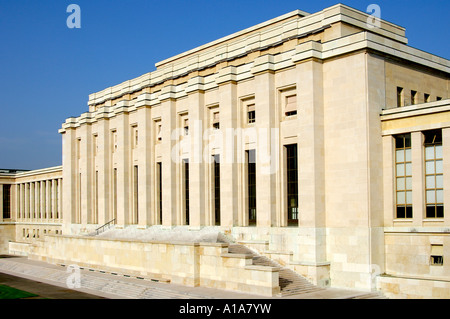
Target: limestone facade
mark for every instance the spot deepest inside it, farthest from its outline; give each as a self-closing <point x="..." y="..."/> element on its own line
<point x="304" y="113"/>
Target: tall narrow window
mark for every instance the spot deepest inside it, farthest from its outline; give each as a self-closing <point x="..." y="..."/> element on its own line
<point x="251" y="182"/>
<point x="136" y="194"/>
<point x="115" y="194"/>
<point x="403" y="176"/>
<point x="399" y="96"/>
<point x="159" y="190"/>
<point x="53" y="214"/>
<point x="292" y="184"/>
<point x="186" y="190"/>
<point x="6" y="201"/>
<point x="426" y="97"/>
<point x="216" y="171"/>
<point x="434" y="179"/>
<point x="95" y="221"/>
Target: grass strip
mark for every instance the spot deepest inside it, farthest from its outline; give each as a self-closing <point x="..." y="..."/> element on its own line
<point x="7" y="292"/>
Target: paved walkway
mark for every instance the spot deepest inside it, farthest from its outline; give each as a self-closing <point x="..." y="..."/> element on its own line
<point x="50" y="281"/>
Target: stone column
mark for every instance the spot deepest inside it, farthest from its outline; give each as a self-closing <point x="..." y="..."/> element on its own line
<point x="104" y="172"/>
<point x="14" y="201"/>
<point x="124" y="172"/>
<point x="86" y="175"/>
<point x="70" y="177"/>
<point x="198" y="187"/>
<point x="311" y="179"/>
<point x="268" y="142"/>
<point x="169" y="165"/>
<point x="229" y="119"/>
<point x="17" y="197"/>
<point x="389" y="179"/>
<point x="144" y="153"/>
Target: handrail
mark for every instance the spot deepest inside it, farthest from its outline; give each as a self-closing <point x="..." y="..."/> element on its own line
<point x="101" y="228"/>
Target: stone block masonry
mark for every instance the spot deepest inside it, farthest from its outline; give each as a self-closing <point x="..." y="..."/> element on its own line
<point x="186" y="263"/>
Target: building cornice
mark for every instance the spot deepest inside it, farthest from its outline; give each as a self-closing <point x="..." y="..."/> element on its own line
<point x="388" y="40"/>
<point x="293" y="25"/>
<point x="54" y="169"/>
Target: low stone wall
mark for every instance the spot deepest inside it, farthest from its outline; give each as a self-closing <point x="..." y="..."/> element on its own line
<point x="412" y="288"/>
<point x="220" y="269"/>
<point x="7" y="232"/>
<point x="19" y="249"/>
<point x="192" y="264"/>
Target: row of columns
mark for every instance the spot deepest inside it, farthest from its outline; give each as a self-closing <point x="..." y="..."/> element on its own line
<point x="39" y="200"/>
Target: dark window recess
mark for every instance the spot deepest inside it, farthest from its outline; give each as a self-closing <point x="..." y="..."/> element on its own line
<point x="437" y="260"/>
<point x="437" y="255"/>
<point x="251" y="177"/>
<point x="159" y="189"/>
<point x="292" y="184"/>
<point x="251" y="117"/>
<point x="136" y="194"/>
<point x="7" y="201"/>
<point x="186" y="189"/>
<point x="217" y="189"/>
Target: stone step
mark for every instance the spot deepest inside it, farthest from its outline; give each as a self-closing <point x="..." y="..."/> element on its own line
<point x="290" y="282"/>
<point x="94" y="282"/>
<point x="370" y="295"/>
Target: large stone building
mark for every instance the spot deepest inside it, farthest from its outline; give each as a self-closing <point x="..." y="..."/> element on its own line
<point x="320" y="140"/>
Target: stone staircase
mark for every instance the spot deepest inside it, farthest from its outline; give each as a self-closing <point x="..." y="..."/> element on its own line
<point x="291" y="283"/>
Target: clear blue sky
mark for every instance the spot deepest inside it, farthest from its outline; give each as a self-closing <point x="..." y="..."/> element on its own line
<point x="47" y="70"/>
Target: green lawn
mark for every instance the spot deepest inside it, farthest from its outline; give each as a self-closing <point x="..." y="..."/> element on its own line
<point x="7" y="292"/>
